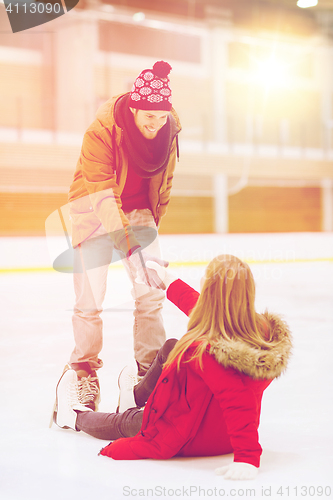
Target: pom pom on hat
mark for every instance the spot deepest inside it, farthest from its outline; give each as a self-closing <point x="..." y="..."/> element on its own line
<point x="151" y="89"/>
<point x="162" y="69"/>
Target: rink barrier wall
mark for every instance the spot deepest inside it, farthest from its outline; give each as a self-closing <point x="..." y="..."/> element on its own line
<point x="177" y="264"/>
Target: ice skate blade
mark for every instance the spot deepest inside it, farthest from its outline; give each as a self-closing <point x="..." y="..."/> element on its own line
<point x="54" y="415"/>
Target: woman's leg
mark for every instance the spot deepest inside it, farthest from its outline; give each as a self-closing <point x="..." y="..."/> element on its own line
<point x="110" y="426"/>
<point x="145" y="387"/>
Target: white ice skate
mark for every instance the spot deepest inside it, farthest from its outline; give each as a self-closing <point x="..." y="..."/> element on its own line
<point x="126" y="381"/>
<point x="68" y="400"/>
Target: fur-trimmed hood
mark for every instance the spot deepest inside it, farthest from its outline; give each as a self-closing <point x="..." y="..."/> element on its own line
<point x="255" y="362"/>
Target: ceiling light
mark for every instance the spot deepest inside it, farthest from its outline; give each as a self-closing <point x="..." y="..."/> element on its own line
<point x="304" y="4"/>
<point x="139" y="17"/>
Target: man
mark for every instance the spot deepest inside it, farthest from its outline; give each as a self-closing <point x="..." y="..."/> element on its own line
<point x="121" y="190"/>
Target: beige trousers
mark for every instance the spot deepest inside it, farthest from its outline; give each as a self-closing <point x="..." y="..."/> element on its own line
<point x="92" y="258"/>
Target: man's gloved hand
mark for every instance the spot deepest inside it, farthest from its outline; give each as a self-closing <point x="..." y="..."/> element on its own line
<point x="146" y="275"/>
<point x="238" y="470"/>
<point x="166" y="277"/>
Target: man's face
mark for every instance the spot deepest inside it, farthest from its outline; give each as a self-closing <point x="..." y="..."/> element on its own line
<point x="149" y="122"/>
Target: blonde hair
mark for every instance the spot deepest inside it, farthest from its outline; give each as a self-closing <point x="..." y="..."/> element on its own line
<point x="225" y="309"/>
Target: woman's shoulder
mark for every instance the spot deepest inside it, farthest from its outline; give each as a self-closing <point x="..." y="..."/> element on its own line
<point x="257" y="362"/>
<point x="274" y="324"/>
<point x="264" y="326"/>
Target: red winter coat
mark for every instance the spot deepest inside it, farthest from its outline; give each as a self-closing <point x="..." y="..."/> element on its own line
<point x="214" y="411"/>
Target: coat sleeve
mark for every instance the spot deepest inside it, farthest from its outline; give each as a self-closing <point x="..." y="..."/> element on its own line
<point x="166" y="194"/>
<point x="183" y="296"/>
<point x="239" y="407"/>
<point x="99" y="175"/>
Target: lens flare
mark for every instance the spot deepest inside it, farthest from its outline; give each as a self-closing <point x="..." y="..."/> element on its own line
<point x="272" y="73"/>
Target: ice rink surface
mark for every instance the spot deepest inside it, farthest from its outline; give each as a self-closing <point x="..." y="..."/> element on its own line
<point x="294" y="276"/>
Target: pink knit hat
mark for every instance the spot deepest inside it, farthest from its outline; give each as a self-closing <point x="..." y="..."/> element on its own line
<point x="151" y="89"/>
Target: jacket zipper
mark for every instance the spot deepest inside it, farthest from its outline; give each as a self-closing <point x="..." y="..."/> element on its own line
<point x="177" y="149"/>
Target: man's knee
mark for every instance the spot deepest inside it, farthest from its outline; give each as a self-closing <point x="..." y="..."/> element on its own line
<point x="151" y="301"/>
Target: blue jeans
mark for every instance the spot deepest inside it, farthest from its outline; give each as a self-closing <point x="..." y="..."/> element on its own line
<point x="111" y="426"/>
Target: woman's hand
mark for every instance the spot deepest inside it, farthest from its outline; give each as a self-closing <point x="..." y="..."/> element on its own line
<point x="147" y="275"/>
<point x="165" y="277"/>
<point x="238" y="470"/>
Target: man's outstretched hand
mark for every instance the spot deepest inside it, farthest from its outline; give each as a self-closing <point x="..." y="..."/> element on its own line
<point x="147" y="275"/>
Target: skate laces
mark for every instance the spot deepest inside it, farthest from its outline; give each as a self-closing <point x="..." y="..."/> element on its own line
<point x="87" y="389"/>
<point x="126" y="382"/>
<point x="73" y="395"/>
<point x="130" y="381"/>
<point x="127" y="378"/>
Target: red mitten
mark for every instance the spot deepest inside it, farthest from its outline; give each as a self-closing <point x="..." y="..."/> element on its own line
<point x="119" y="450"/>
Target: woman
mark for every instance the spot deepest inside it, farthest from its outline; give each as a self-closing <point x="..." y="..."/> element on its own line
<point x="207" y="399"/>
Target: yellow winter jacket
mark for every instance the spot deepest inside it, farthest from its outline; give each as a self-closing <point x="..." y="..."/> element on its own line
<point x="100" y="177"/>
